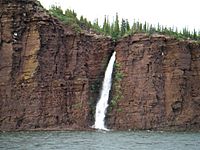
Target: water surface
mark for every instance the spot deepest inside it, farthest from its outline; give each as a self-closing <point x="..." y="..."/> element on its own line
<point x="87" y="140"/>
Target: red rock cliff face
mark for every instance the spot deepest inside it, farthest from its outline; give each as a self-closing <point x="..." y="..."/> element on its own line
<point x="159" y="85"/>
<point x="49" y="75"/>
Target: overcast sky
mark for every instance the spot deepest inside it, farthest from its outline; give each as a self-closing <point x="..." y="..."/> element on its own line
<point x="178" y="13"/>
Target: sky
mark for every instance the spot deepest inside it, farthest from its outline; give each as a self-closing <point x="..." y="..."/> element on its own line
<point x="177" y="13"/>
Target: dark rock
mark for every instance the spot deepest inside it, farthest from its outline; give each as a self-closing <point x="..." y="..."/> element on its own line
<point x="160" y="86"/>
<point x="47" y="70"/>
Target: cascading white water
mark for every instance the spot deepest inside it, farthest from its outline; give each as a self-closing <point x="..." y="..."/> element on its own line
<point x="103" y="101"/>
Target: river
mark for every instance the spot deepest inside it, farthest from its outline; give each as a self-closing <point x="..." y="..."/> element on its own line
<point x="99" y="140"/>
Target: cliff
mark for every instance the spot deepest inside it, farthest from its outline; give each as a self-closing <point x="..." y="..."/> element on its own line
<point x="157" y="84"/>
<point x="50" y="76"/>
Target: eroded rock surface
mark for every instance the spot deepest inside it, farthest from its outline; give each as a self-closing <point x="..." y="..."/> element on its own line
<point x="49" y="75"/>
<point x="159" y="87"/>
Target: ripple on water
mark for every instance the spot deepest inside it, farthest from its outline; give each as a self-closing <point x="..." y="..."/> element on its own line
<point x="87" y="140"/>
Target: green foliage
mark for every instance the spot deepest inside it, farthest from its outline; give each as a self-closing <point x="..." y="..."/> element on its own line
<point x="77" y="105"/>
<point x="57" y="12"/>
<point x="119" y="110"/>
<point x="96" y="26"/>
<point x="69" y="17"/>
<point x="106" y="26"/>
<point x="116" y="31"/>
<point x="123" y="27"/>
<point x="127" y="26"/>
<point x="118" y="76"/>
<point x="95" y="86"/>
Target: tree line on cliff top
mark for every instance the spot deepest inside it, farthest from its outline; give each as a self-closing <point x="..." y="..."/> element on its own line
<point x="117" y="29"/>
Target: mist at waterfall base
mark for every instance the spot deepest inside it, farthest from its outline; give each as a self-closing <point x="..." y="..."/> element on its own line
<point x="102" y="104"/>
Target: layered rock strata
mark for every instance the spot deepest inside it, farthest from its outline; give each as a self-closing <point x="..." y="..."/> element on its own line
<point x="49" y="75"/>
<point x="159" y="85"/>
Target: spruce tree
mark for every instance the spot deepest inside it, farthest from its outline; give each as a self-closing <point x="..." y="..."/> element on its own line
<point x="108" y="32"/>
<point x="123" y="27"/>
<point x="96" y="26"/>
<point x="127" y="26"/>
<point x="140" y="27"/>
<point x="116" y="31"/>
<point x="134" y="27"/>
<point x="145" y="27"/>
<point x="112" y="30"/>
<point x="104" y="25"/>
<point x="69" y="17"/>
<point x="194" y="34"/>
<point x="81" y="19"/>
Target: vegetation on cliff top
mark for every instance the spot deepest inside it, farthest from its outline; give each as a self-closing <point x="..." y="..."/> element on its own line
<point x="116" y="29"/>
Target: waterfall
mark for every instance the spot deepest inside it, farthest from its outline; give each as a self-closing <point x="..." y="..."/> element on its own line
<point x="103" y="101"/>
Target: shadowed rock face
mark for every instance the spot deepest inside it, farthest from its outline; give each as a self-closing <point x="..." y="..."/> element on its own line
<point x="50" y="76"/>
<point x="160" y="86"/>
